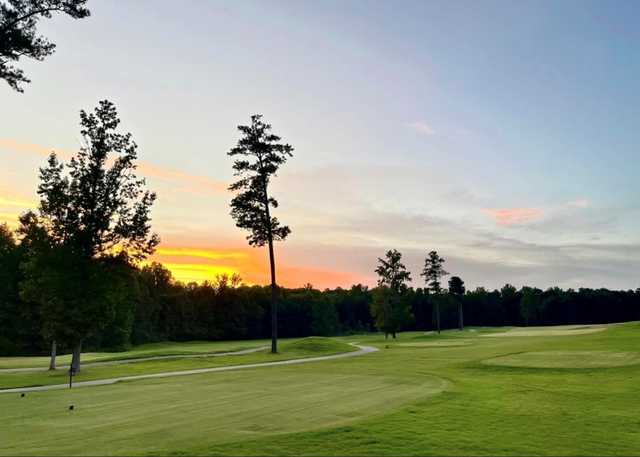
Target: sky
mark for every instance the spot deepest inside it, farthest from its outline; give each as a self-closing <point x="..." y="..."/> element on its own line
<point x="502" y="134"/>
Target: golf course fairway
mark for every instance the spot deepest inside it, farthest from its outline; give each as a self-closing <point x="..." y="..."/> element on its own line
<point x="463" y="395"/>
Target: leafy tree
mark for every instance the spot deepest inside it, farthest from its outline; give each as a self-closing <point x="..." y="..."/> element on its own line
<point x="18" y="35"/>
<point x="432" y="272"/>
<point x="151" y="316"/>
<point x="456" y="289"/>
<point x="10" y="304"/>
<point x="530" y="305"/>
<point x="97" y="220"/>
<point x="510" y="299"/>
<point x="259" y="156"/>
<point x="390" y="307"/>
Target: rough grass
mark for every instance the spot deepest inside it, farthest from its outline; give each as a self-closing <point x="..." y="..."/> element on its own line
<point x="567" y="359"/>
<point x="559" y="330"/>
<point x="444" y="343"/>
<point x="401" y="400"/>
<point x="143" y="350"/>
<point x="308" y="347"/>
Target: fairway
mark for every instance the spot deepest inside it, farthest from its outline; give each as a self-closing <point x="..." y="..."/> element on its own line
<point x="425" y="344"/>
<point x="419" y="394"/>
<point x="168" y="414"/>
<point x="558" y="330"/>
<point x="567" y="359"/>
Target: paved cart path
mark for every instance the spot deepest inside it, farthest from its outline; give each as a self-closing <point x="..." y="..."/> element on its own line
<point x="102" y="382"/>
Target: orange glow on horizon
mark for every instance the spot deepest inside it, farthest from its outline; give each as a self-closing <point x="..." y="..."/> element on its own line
<point x="192" y="264"/>
<point x="197" y="272"/>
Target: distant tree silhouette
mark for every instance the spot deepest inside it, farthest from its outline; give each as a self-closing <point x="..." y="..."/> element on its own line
<point x="390" y="307"/>
<point x="96" y="219"/>
<point x="531" y="303"/>
<point x="456" y="289"/>
<point x="259" y="156"/>
<point x="432" y="272"/>
<point x="18" y="35"/>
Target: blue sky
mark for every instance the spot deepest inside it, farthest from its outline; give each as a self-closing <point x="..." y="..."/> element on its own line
<point x="502" y="134"/>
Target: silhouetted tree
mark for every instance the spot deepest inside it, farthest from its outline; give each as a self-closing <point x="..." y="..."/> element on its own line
<point x="260" y="155"/>
<point x="432" y="272"/>
<point x="530" y="304"/>
<point x="18" y="35"/>
<point x="97" y="220"/>
<point x="390" y="307"/>
<point x="456" y="289"/>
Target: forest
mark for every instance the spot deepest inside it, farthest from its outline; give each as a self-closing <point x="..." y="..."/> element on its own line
<point x="158" y="308"/>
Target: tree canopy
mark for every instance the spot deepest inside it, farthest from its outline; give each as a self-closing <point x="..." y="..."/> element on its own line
<point x="432" y="272"/>
<point x="19" y="37"/>
<point x="259" y="156"/>
<point x="390" y="307"/>
<point x="99" y="207"/>
<point x="93" y="221"/>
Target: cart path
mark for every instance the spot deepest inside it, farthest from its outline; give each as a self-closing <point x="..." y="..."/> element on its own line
<point x="362" y="350"/>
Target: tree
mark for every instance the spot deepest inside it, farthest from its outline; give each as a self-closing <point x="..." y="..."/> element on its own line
<point x="97" y="221"/>
<point x="456" y="288"/>
<point x="18" y="35"/>
<point x="432" y="273"/>
<point x="389" y="307"/>
<point x="260" y="154"/>
<point x="530" y="304"/>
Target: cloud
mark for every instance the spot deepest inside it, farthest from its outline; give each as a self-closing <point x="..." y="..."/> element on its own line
<point x="17" y="202"/>
<point x="580" y="203"/>
<point x="422" y="128"/>
<point x="186" y="182"/>
<point x="15" y="146"/>
<point x="200" y="253"/>
<point x="198" y="264"/>
<point x="514" y="216"/>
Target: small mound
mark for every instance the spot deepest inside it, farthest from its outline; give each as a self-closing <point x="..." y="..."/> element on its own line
<point x="438" y="344"/>
<point x="566" y="359"/>
<point x="317" y="345"/>
<point x="558" y="330"/>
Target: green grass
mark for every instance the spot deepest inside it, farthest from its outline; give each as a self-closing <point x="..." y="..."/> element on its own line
<point x="306" y="347"/>
<point x="567" y="359"/>
<point x="143" y="350"/>
<point x="408" y="399"/>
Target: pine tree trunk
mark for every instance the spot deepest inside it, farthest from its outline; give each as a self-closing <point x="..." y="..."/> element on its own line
<point x="460" y="317"/>
<point x="52" y="361"/>
<point x="438" y="315"/>
<point x="274" y="300"/>
<point x="75" y="358"/>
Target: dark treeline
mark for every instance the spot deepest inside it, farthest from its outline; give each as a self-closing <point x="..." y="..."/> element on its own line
<point x="157" y="308"/>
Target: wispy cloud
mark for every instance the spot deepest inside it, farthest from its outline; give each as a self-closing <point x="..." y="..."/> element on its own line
<point x="185" y="182"/>
<point x="579" y="203"/>
<point x="514" y="216"/>
<point x="422" y="128"/>
<point x="17" y="202"/>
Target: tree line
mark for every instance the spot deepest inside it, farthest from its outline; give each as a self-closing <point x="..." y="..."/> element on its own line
<point x="152" y="306"/>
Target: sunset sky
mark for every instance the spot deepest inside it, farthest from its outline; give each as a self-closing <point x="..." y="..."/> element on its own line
<point x="504" y="135"/>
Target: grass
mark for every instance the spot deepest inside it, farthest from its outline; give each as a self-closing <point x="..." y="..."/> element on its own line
<point x="405" y="399"/>
<point x="306" y="347"/>
<point x="567" y="359"/>
<point x="143" y="350"/>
